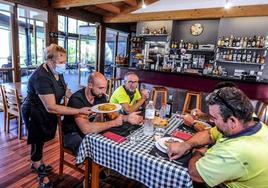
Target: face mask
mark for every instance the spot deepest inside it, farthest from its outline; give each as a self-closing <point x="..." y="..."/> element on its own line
<point x="60" y="68"/>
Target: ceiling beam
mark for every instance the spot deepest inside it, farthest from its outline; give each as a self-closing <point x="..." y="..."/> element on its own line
<point x="77" y="3"/>
<point x="110" y="8"/>
<point x="132" y="3"/>
<point x="209" y="13"/>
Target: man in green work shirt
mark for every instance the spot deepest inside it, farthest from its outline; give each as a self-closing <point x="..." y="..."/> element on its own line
<point x="128" y="95"/>
<point x="238" y="157"/>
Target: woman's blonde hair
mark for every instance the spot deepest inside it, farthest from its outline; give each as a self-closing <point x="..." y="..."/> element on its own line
<point x="52" y="50"/>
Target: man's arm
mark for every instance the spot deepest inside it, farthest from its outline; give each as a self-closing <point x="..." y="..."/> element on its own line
<point x="177" y="149"/>
<point x="192" y="167"/>
<point x="94" y="127"/>
<point x="132" y="108"/>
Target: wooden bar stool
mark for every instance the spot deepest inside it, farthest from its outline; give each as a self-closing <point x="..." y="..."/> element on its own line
<point x="188" y="98"/>
<point x="262" y="112"/>
<point x="112" y="84"/>
<point x="163" y="91"/>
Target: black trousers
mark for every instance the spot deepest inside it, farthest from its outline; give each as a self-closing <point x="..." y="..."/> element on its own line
<point x="37" y="148"/>
<point x="37" y="151"/>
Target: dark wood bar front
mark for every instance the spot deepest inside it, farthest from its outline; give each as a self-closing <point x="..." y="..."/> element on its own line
<point x="257" y="90"/>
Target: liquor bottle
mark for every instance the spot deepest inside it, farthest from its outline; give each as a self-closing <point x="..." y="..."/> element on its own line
<point x="234" y="55"/>
<point x="253" y="59"/>
<point x="258" y="58"/>
<point x="196" y="45"/>
<point x="249" y="42"/>
<point x="226" y="42"/>
<point x="230" y="57"/>
<point x="239" y="56"/>
<point x="258" y="42"/>
<point x="219" y="42"/>
<point x="245" y="42"/>
<point x="234" y="42"/>
<point x="262" y="60"/>
<point x="222" y="41"/>
<point x="244" y="56"/>
<point x="241" y="42"/>
<point x="262" y="42"/>
<point x="224" y="55"/>
<point x="249" y="55"/>
<point x="227" y="55"/>
<point x="238" y="42"/>
<point x="253" y="44"/>
<point x="231" y="41"/>
<point x="266" y="42"/>
<point x="181" y="44"/>
<point x="186" y="45"/>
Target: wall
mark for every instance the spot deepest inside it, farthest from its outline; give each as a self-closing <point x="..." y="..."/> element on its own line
<point x="181" y="30"/>
<point x="154" y="25"/>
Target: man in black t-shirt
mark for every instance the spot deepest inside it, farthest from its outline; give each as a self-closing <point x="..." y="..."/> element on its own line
<point x="76" y="127"/>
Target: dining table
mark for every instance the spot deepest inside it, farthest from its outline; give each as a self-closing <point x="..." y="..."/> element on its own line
<point x="134" y="160"/>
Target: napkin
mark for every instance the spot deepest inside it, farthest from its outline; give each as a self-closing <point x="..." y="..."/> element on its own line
<point x="182" y="135"/>
<point x="114" y="137"/>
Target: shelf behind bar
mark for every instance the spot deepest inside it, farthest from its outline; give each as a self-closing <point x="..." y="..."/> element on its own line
<point x="241" y="48"/>
<point x="236" y="62"/>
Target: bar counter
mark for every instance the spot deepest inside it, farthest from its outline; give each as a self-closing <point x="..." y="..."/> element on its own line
<point x="257" y="90"/>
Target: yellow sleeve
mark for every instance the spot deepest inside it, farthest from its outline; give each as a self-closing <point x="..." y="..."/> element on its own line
<point x="214" y="133"/>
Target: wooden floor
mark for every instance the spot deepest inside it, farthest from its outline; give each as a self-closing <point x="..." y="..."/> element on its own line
<point x="15" y="165"/>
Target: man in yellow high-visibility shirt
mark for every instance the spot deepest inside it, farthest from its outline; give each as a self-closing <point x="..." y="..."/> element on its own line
<point x="238" y="157"/>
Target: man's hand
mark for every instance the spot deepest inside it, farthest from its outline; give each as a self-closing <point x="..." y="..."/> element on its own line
<point x="177" y="149"/>
<point x="85" y="111"/>
<point x="188" y="119"/>
<point x="145" y="93"/>
<point x="134" y="118"/>
<point x="117" y="122"/>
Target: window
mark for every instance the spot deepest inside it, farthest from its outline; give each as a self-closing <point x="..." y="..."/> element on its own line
<point x="116" y="45"/>
<point x="32" y="25"/>
<point x="6" y="42"/>
<point x="79" y="39"/>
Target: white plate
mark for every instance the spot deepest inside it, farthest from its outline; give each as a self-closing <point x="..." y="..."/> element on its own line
<point x="208" y="126"/>
<point x="95" y="108"/>
<point x="160" y="144"/>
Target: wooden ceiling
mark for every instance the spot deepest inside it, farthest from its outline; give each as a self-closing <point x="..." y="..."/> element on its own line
<point x="119" y="11"/>
<point x="104" y="8"/>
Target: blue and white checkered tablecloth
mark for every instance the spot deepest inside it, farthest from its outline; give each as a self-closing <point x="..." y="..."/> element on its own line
<point x="134" y="161"/>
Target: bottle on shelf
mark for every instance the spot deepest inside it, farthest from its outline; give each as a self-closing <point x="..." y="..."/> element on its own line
<point x="258" y="58"/>
<point x="238" y="59"/>
<point x="253" y="43"/>
<point x="245" y="42"/>
<point x="249" y="56"/>
<point x="244" y="56"/>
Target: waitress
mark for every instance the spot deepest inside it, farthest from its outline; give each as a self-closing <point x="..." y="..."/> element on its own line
<point x="46" y="89"/>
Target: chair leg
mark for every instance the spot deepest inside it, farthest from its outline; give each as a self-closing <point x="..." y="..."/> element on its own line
<point x="19" y="127"/>
<point x="5" y="121"/>
<point x="86" y="173"/>
<point x="8" y="122"/>
<point x="61" y="165"/>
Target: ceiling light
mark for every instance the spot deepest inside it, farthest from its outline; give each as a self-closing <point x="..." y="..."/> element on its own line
<point x="143" y="5"/>
<point x="227" y="4"/>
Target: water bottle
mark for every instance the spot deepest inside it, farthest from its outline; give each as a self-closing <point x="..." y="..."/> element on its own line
<point x="162" y="113"/>
<point x="150" y="111"/>
<point x="148" y="128"/>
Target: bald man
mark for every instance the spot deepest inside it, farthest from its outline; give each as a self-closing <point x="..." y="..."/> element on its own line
<point x="76" y="127"/>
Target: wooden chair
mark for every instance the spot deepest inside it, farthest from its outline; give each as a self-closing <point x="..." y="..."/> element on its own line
<point x="112" y="84"/>
<point x="12" y="104"/>
<point x="262" y="112"/>
<point x="188" y="98"/>
<point x="70" y="164"/>
<point x="3" y="107"/>
<point x="160" y="91"/>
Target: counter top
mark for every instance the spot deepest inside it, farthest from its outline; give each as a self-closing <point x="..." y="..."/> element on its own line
<point x="257" y="90"/>
<point x="222" y="78"/>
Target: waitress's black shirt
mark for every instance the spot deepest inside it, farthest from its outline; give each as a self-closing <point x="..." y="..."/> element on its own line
<point x="42" y="125"/>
